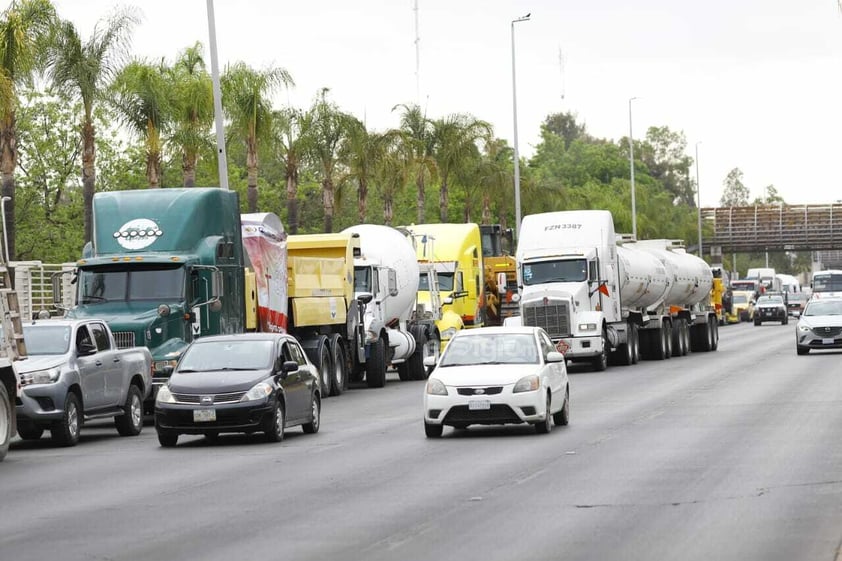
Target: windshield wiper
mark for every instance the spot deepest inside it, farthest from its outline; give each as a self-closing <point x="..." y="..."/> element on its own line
<point x="235" y="368"/>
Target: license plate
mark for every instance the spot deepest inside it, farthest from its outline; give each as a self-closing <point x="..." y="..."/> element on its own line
<point x="827" y="341"/>
<point x="204" y="415"/>
<point x="479" y="405"/>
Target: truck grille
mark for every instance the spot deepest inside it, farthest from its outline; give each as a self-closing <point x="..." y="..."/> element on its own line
<point x="554" y="317"/>
<point x="125" y="339"/>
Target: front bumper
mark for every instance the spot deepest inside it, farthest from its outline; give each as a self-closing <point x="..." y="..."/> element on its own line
<point x="42" y="402"/>
<point x="230" y="417"/>
<point x="761" y="314"/>
<point x="815" y="341"/>
<point x="502" y="408"/>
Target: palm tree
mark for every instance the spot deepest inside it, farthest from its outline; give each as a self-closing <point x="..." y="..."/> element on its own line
<point x="83" y="70"/>
<point x="143" y="98"/>
<point x="361" y="152"/>
<point x="392" y="173"/>
<point x="246" y="100"/>
<point x="456" y="139"/>
<point x="495" y="178"/>
<point x="193" y="111"/>
<point x="24" y="28"/>
<point x="418" y="135"/>
<point x="290" y="134"/>
<point x="327" y="132"/>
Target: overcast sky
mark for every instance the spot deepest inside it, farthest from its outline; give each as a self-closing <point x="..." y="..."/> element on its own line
<point x="757" y="82"/>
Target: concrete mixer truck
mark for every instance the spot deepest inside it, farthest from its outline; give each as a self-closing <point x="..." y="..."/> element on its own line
<point x="600" y="300"/>
<point x="399" y="330"/>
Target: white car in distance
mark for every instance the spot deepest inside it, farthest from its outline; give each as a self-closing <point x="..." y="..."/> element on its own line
<point x="496" y="376"/>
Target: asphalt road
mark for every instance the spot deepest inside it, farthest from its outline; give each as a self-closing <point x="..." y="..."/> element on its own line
<point x="732" y="455"/>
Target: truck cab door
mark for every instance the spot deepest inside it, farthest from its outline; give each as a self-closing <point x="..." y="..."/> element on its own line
<point x="112" y="365"/>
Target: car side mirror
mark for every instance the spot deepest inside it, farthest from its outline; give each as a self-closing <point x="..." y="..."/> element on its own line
<point x="85" y="348"/>
<point x="289" y="366"/>
<point x="555" y="356"/>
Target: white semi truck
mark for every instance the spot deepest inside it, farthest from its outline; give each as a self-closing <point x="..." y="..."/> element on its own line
<point x="398" y="329"/>
<point x="601" y="300"/>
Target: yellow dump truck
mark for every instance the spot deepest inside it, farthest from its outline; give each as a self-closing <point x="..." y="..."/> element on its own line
<point x="455" y="250"/>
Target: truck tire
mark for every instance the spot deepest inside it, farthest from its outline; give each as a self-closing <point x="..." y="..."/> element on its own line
<point x="66" y="431"/>
<point x="667" y="331"/>
<point x="657" y="344"/>
<point x="375" y="366"/>
<point x="715" y="337"/>
<point x="339" y="361"/>
<point x="600" y="363"/>
<point x="635" y="343"/>
<point x="6" y="413"/>
<point x="28" y="430"/>
<point x="320" y="357"/>
<point x="688" y="345"/>
<point x="130" y="423"/>
<point x="403" y="370"/>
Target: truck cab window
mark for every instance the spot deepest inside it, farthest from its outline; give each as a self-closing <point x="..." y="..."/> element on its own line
<point x="362" y="279"/>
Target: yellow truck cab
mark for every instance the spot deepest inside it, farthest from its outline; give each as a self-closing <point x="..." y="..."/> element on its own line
<point x="456" y="252"/>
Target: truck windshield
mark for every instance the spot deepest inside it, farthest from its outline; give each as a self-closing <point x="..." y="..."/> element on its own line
<point x="107" y="284"/>
<point x="827" y="283"/>
<point x="563" y="270"/>
<point x="445" y="282"/>
<point x="46" y="339"/>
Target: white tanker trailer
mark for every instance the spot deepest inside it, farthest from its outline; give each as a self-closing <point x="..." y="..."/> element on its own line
<point x="597" y="299"/>
<point x="386" y="277"/>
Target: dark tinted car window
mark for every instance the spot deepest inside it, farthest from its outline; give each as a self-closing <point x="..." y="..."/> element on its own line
<point x="103" y="343"/>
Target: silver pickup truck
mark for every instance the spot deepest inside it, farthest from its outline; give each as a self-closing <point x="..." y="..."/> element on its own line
<point x="74" y="373"/>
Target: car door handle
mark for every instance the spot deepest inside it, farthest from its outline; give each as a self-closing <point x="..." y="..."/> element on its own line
<point x="98" y="363"/>
<point x="116" y="360"/>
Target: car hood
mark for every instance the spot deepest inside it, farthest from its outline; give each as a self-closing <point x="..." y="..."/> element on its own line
<point x="217" y="381"/>
<point x="484" y="374"/>
<point x="821" y="321"/>
<point x="33" y="363"/>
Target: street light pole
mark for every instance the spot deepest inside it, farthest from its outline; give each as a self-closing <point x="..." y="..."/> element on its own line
<point x="222" y="158"/>
<point x="699" y="198"/>
<point x="631" y="171"/>
<point x="514" y="113"/>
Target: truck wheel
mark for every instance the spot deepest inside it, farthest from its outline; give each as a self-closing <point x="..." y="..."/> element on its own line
<point x="273" y="425"/>
<point x="688" y="340"/>
<point x="668" y="340"/>
<point x="6" y="413"/>
<point x="375" y="366"/>
<point x="28" y="430"/>
<point x="635" y="343"/>
<point x="416" y="361"/>
<point x="403" y="371"/>
<point x="321" y="360"/>
<point x="66" y="431"/>
<point x="657" y="344"/>
<point x="432" y="348"/>
<point x="600" y="363"/>
<point x="130" y="423"/>
<point x="167" y="438"/>
<point x="338" y="359"/>
<point x="714" y="336"/>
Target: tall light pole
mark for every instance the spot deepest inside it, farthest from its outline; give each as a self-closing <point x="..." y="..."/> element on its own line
<point x="514" y="113"/>
<point x="221" y="157"/>
<point x="631" y="170"/>
<point x="699" y="198"/>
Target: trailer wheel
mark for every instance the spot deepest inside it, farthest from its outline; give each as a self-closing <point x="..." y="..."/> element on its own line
<point x="375" y="366"/>
<point x="416" y="361"/>
<point x="339" y="361"/>
<point x="6" y="413"/>
<point x="635" y="343"/>
<point x="715" y="340"/>
<point x="688" y="345"/>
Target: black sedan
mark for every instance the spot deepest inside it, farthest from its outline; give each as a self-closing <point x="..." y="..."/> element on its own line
<point x="770" y="308"/>
<point x="256" y="382"/>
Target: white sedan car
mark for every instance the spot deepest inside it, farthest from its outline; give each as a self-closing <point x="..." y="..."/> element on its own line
<point x="820" y="326"/>
<point x="495" y="376"/>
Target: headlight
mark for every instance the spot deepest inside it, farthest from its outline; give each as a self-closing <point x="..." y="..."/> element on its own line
<point x="48" y="376"/>
<point x="164" y="366"/>
<point x="527" y="384"/>
<point x="259" y="391"/>
<point x="448" y="333"/>
<point x="803" y="327"/>
<point x="436" y="387"/>
<point x="587" y="327"/>
<point x="164" y="395"/>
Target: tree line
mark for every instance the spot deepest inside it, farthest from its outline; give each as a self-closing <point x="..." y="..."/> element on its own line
<point x="81" y="114"/>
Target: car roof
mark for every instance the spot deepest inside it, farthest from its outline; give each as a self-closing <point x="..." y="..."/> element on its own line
<point x="244" y="337"/>
<point x="499" y="330"/>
